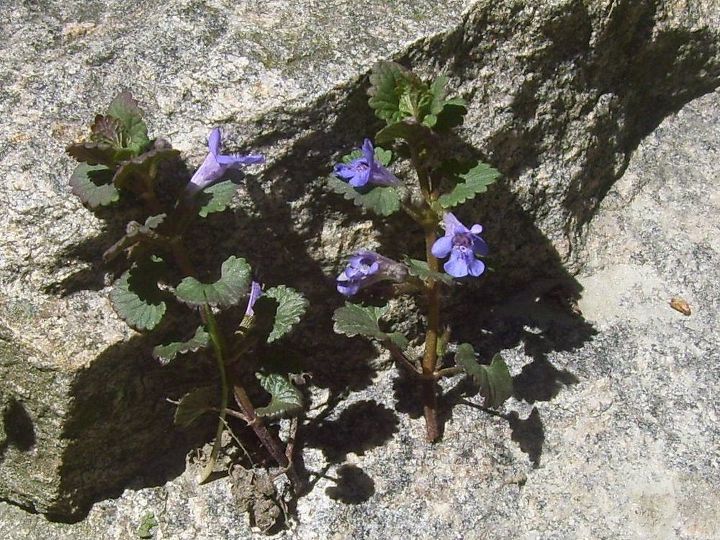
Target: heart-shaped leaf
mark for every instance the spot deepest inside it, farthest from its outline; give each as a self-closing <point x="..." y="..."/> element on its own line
<point x="196" y="403"/>
<point x="382" y="200"/>
<point x="166" y="353"/>
<point x="286" y="400"/>
<point x="216" y="198"/>
<point x="235" y="276"/>
<point x="494" y="381"/>
<point x="93" y="185"/>
<point x="469" y="184"/>
<point x="137" y="298"/>
<point x="291" y="306"/>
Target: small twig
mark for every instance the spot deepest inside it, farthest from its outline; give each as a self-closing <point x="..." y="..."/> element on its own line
<point x="401" y="359"/>
<point x="232" y="434"/>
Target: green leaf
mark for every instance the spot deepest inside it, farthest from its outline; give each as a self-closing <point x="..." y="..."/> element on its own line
<point x="291" y="306"/>
<point x="166" y="353"/>
<point x="438" y="92"/>
<point x="395" y="92"/>
<point x="494" y="380"/>
<point x="196" y="403"/>
<point x="135" y="234"/>
<point x="476" y="180"/>
<point x="98" y="153"/>
<point x="126" y="109"/>
<point x="216" y="198"/>
<point x="107" y="130"/>
<point x="136" y="297"/>
<point x="415" y="134"/>
<point x="138" y="174"/>
<point x="93" y="185"/>
<point x="286" y="400"/>
<point x="398" y="339"/>
<point x="354" y="319"/>
<point x="351" y="156"/>
<point x="382" y="200"/>
<point x="384" y="157"/>
<point x="227" y="291"/>
<point x="421" y="270"/>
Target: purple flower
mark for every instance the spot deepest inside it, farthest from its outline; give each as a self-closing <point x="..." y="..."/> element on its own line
<point x="215" y="164"/>
<point x="365" y="170"/>
<point x="367" y="267"/>
<point x="462" y="244"/>
<point x="255" y="293"/>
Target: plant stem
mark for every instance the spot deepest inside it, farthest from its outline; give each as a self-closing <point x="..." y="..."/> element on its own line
<point x="271" y="443"/>
<point x="268" y="440"/>
<point x="218" y="347"/>
<point x="429" y="361"/>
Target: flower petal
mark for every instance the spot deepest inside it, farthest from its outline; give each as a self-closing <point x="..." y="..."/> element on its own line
<point x="214" y="142"/>
<point x="237" y="160"/>
<point x="479" y="246"/>
<point x="475" y="267"/>
<point x="380" y="176"/>
<point x="476" y="229"/>
<point x="442" y="247"/>
<point x="368" y="151"/>
<point x="456" y="265"/>
<point x="360" y="178"/>
<point x="452" y="225"/>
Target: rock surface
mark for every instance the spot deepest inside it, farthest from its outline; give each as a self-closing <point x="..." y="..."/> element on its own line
<point x="616" y="438"/>
<point x="613" y="431"/>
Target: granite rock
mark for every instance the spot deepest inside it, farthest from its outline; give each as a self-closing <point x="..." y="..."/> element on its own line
<point x="561" y="94"/>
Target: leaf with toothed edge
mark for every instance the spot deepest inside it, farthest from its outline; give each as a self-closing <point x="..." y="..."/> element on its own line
<point x="421" y="270"/>
<point x="136" y="296"/>
<point x="285" y="400"/>
<point x="196" y="403"/>
<point x="291" y="306"/>
<point x="469" y="184"/>
<point x="126" y="110"/>
<point x="216" y="198"/>
<point x="382" y="200"/>
<point x="166" y="353"/>
<point x="232" y="286"/>
<point x="494" y="381"/>
<point x="93" y="185"/>
<point x="354" y="319"/>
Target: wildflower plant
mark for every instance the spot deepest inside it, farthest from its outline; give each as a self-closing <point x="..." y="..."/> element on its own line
<point x="235" y="319"/>
<point x="419" y="119"/>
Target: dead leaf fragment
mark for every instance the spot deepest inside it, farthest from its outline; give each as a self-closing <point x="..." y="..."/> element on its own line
<point x="681" y="305"/>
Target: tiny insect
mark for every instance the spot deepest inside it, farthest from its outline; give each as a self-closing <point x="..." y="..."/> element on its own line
<point x="681" y="305"/>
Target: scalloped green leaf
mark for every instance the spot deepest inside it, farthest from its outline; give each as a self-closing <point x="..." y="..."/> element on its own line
<point x="107" y="130"/>
<point x="415" y="134"/>
<point x="347" y="158"/>
<point x="140" y="172"/>
<point x="494" y="381"/>
<point x="166" y="353"/>
<point x="390" y="87"/>
<point x="93" y="185"/>
<point x="98" y="153"/>
<point x="291" y="306"/>
<point x="126" y="109"/>
<point x="470" y="183"/>
<point x="196" y="403"/>
<point x="286" y="400"/>
<point x="382" y="200"/>
<point x="355" y="319"/>
<point x="216" y="198"/>
<point x="421" y="270"/>
<point x="384" y="157"/>
<point x="233" y="285"/>
<point x="136" y="297"/>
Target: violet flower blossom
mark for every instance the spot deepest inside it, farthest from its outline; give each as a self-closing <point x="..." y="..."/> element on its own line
<point x="255" y="293"/>
<point x="365" y="170"/>
<point x="367" y="267"/>
<point x="462" y="244"/>
<point x="216" y="164"/>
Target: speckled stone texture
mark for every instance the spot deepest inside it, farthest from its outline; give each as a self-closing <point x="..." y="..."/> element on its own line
<point x="612" y="432"/>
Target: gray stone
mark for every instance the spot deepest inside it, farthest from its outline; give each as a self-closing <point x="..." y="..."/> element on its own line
<point x="613" y="436"/>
